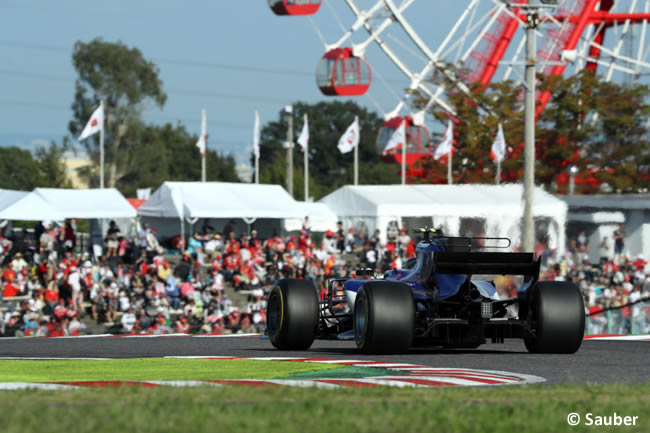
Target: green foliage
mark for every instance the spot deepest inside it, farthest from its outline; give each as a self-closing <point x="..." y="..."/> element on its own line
<point x="329" y="169"/>
<point x="474" y="135"/>
<point x="167" y="152"/>
<point x="20" y="170"/>
<point x="600" y="127"/>
<point x="51" y="166"/>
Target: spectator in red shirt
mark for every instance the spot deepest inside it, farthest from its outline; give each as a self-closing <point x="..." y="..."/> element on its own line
<point x="9" y="273"/>
<point x="10" y="290"/>
<point x="52" y="293"/>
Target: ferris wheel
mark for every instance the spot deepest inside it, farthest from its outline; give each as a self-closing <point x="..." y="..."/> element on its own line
<point x="484" y="43"/>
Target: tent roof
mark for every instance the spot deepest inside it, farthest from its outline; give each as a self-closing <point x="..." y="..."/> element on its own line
<point x="220" y="200"/>
<point x="608" y="201"/>
<point x="31" y="207"/>
<point x="427" y="200"/>
<point x="87" y="203"/>
<point x="10" y="196"/>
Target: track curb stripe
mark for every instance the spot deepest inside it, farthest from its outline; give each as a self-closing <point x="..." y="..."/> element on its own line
<point x="617" y="337"/>
<point x="402" y="375"/>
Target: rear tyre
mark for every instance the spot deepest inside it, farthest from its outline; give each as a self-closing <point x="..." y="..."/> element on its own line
<point x="292" y="315"/>
<point x="556" y="315"/>
<point x="384" y="317"/>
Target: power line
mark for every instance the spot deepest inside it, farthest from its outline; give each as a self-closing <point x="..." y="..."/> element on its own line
<point x="170" y="118"/>
<point x="187" y="92"/>
<point x="185" y="62"/>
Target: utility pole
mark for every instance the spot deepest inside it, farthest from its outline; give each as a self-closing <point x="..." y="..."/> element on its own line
<point x="528" y="231"/>
<point x="288" y="110"/>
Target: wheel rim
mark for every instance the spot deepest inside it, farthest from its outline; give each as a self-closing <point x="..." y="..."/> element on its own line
<point x="274" y="320"/>
<point x="360" y="319"/>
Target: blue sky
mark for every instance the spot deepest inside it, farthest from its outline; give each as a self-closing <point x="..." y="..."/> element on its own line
<point x="231" y="57"/>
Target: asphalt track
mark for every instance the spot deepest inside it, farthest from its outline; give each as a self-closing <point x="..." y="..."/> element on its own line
<point x="597" y="362"/>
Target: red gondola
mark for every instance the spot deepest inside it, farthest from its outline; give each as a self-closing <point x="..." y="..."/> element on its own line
<point x="294" y="7"/>
<point x="340" y="73"/>
<point x="417" y="140"/>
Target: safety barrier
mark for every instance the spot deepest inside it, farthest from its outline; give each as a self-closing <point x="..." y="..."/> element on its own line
<point x="633" y="318"/>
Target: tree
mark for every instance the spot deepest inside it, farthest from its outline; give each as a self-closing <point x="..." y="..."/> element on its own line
<point x="51" y="167"/>
<point x="475" y="126"/>
<point x="126" y="81"/>
<point x="18" y="169"/>
<point x="600" y="127"/>
<point x="159" y="153"/>
<point x="329" y="169"/>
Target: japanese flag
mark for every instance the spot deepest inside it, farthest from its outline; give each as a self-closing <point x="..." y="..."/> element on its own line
<point x="256" y="135"/>
<point x="498" y="151"/>
<point x="95" y="124"/>
<point x="350" y="138"/>
<point x="303" y="140"/>
<point x="397" y="140"/>
<point x="446" y="146"/>
<point x="202" y="143"/>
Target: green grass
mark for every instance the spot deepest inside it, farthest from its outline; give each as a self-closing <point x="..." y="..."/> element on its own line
<point x="281" y="409"/>
<point x="153" y="369"/>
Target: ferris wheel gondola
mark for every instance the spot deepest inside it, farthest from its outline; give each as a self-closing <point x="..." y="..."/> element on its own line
<point x="418" y="139"/>
<point x="341" y="73"/>
<point x="294" y="7"/>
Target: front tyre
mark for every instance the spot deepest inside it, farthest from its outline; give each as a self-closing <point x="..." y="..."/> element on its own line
<point x="292" y="314"/>
<point x="384" y="317"/>
<point x="556" y="316"/>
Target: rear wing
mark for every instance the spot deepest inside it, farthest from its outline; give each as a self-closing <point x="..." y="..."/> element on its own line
<point x="486" y="263"/>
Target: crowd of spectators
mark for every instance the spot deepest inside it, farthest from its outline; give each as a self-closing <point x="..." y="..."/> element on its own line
<point x="139" y="287"/>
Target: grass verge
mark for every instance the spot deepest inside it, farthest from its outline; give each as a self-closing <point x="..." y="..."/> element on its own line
<point x="153" y="369"/>
<point x="282" y="409"/>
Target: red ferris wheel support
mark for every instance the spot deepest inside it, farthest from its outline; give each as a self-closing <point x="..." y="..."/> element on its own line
<point x="484" y="62"/>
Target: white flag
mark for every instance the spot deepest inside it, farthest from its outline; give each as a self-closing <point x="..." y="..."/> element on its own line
<point x="447" y="143"/>
<point x="397" y="140"/>
<point x="256" y="135"/>
<point x="203" y="138"/>
<point x="498" y="150"/>
<point x="143" y="193"/>
<point x="350" y="138"/>
<point x="303" y="140"/>
<point x="94" y="125"/>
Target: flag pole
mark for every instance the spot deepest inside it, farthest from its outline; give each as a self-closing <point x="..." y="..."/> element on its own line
<point x="101" y="148"/>
<point x="449" y="180"/>
<point x="204" y="132"/>
<point x="498" y="177"/>
<point x="306" y="150"/>
<point x="356" y="158"/>
<point x="257" y="168"/>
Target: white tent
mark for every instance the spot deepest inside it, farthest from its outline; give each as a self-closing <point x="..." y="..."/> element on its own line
<point x="498" y="207"/>
<point x="220" y="200"/>
<point x="268" y="205"/>
<point x="106" y="203"/>
<point x="10" y="196"/>
<point x="26" y="206"/>
<point x="320" y="216"/>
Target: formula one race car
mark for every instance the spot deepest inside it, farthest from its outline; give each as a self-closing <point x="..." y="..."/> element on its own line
<point x="442" y="299"/>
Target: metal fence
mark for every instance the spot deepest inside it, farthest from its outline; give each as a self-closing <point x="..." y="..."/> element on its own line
<point x="627" y="319"/>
